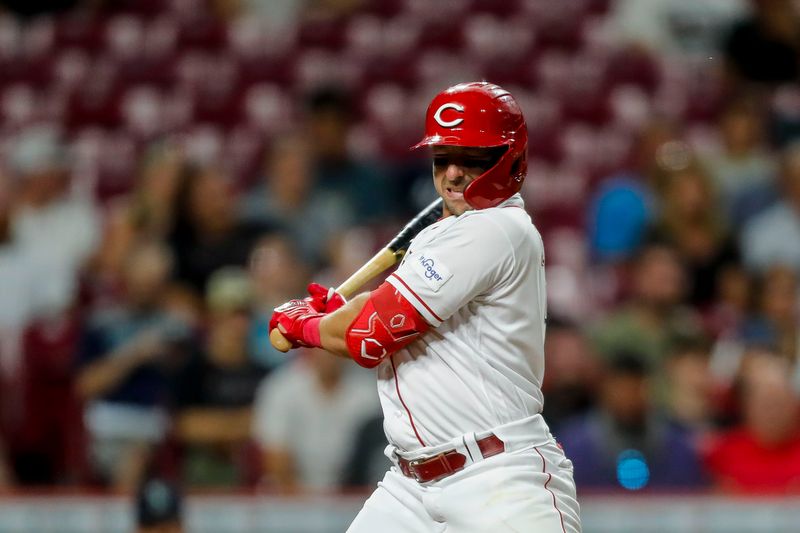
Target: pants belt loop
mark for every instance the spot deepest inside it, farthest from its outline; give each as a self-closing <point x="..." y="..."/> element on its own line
<point x="470" y="441"/>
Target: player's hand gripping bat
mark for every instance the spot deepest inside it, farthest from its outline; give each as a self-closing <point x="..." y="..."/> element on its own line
<point x="386" y="257"/>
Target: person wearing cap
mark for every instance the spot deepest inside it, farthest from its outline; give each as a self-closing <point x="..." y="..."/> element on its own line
<point x="215" y="390"/>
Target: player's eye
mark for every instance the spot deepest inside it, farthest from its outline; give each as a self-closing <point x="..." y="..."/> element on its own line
<point x="478" y="162"/>
<point x="441" y="161"/>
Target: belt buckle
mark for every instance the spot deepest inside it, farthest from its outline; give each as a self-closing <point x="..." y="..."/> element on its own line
<point x="412" y="467"/>
<point x="414" y="474"/>
<point x="438" y="457"/>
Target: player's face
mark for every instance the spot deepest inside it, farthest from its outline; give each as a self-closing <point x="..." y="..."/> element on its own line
<point x="455" y="167"/>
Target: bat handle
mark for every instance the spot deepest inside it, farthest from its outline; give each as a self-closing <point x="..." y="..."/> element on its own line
<point x="279" y="341"/>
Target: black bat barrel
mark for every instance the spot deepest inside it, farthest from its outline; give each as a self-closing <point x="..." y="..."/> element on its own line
<point x="425" y="218"/>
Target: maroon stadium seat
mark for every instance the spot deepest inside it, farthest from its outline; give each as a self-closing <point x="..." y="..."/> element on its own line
<point x="117" y="164"/>
<point x="142" y="111"/>
<point x="266" y="108"/>
<point x="80" y="30"/>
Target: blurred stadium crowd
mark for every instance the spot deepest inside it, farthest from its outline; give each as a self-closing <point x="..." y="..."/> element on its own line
<point x="170" y="170"/>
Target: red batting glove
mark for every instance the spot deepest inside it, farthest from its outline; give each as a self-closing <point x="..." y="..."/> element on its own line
<point x="299" y="323"/>
<point x="324" y="300"/>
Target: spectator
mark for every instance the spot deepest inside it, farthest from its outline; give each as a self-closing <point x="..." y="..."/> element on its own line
<point x="307" y="416"/>
<point x="690" y="388"/>
<point x="775" y="324"/>
<point x="182" y="302"/>
<point x="626" y="420"/>
<point x="216" y="390"/>
<point x="122" y="374"/>
<point x="147" y="213"/>
<point x="329" y="121"/>
<point x="207" y="235"/>
<point x="762" y="454"/>
<point x="43" y="418"/>
<point x="36" y="353"/>
<point x="571" y="380"/>
<point x="277" y="275"/>
<point x="624" y="205"/>
<point x="742" y="167"/>
<point x="30" y="285"/>
<point x="691" y="222"/>
<point x="289" y="199"/>
<point x="764" y="47"/>
<point x="728" y="312"/>
<point x="56" y="226"/>
<point x="159" y="507"/>
<point x="367" y="463"/>
<point x="774" y="235"/>
<point x="619" y="215"/>
<point x="654" y="316"/>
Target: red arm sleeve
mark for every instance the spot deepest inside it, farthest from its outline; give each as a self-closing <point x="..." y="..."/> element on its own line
<point x="387" y="323"/>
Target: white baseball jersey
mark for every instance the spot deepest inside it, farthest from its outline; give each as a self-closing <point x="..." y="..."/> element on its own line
<point x="479" y="280"/>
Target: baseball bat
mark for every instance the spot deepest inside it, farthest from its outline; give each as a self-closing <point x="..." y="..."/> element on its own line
<point x="385" y="258"/>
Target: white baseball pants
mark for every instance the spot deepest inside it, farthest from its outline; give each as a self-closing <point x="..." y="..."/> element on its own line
<point x="527" y="490"/>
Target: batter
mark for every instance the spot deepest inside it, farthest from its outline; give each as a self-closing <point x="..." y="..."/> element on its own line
<point x="456" y="335"/>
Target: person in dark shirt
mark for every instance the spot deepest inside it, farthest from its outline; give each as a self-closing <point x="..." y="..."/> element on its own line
<point x="122" y="369"/>
<point x="624" y="432"/>
<point x="693" y="225"/>
<point x="216" y="388"/>
<point x="207" y="234"/>
<point x="572" y="371"/>
<point x="367" y="463"/>
<point x="329" y="121"/>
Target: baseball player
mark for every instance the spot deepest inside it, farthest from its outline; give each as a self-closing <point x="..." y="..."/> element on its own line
<point x="456" y="335"/>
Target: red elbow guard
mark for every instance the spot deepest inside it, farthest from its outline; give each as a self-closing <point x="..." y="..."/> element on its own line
<point x="387" y="323"/>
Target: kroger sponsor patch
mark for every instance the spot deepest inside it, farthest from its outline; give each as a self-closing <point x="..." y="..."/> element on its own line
<point x="433" y="271"/>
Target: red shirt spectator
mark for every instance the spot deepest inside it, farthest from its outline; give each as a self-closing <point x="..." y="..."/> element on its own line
<point x="763" y="454"/>
<point x="740" y="462"/>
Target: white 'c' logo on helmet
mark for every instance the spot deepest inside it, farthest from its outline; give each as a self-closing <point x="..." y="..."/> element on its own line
<point x="448" y="123"/>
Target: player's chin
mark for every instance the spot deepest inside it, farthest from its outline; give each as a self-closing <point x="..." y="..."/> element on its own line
<point x="456" y="207"/>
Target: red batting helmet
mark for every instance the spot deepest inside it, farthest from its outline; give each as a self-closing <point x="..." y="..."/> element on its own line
<point x="481" y="114"/>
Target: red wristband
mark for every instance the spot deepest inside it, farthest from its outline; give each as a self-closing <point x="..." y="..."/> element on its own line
<point x="311" y="332"/>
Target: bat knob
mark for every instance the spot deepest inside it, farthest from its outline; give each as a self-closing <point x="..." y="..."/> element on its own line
<point x="280" y="342"/>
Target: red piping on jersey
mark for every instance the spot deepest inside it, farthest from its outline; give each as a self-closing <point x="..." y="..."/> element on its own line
<point x="394" y="274"/>
<point x="549" y="477"/>
<point x="397" y="386"/>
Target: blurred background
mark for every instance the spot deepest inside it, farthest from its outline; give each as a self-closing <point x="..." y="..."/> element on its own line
<point x="170" y="170"/>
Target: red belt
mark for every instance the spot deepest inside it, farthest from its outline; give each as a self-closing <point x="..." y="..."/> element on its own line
<point x="442" y="465"/>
